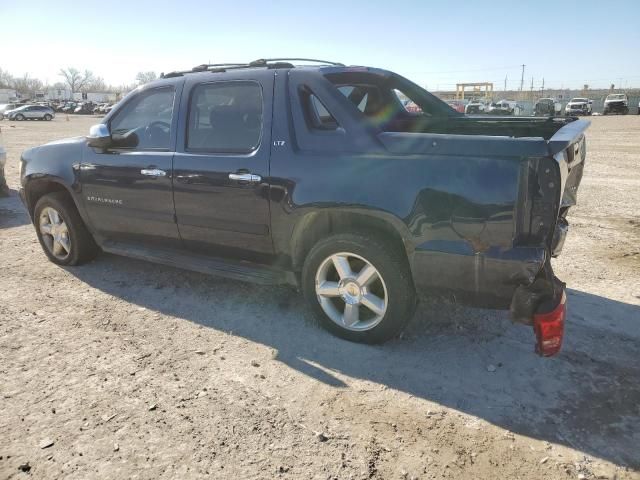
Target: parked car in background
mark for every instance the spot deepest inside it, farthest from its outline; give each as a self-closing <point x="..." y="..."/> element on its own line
<point x="579" y="106"/>
<point x="545" y="107"/>
<point x="475" y="106"/>
<point x="639" y="107"/>
<point x="31" y="112"/>
<point x="108" y="108"/>
<point x="68" y="107"/>
<point x="320" y="177"/>
<point x="85" y="108"/>
<point x="503" y="107"/>
<point x="99" y="108"/>
<point x="6" y="107"/>
<point x="457" y="105"/>
<point x="616" y="103"/>
<point x="3" y="160"/>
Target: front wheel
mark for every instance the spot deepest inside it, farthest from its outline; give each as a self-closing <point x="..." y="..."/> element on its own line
<point x="19" y="117"/>
<point x="359" y="287"/>
<point x="48" y="117"/>
<point x="61" y="232"/>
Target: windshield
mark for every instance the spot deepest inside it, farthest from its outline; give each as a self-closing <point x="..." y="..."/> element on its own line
<point x="579" y="100"/>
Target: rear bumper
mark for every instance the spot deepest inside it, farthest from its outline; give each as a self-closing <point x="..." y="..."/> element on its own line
<point x="483" y="279"/>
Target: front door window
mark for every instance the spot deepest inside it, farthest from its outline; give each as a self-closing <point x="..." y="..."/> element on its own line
<point x="145" y="122"/>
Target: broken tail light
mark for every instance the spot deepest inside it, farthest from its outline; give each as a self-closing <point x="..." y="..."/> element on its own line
<point x="549" y="328"/>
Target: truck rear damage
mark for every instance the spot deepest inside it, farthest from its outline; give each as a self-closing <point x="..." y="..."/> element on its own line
<point x="552" y="182"/>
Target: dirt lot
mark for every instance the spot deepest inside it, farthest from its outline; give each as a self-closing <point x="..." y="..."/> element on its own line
<point x="132" y="370"/>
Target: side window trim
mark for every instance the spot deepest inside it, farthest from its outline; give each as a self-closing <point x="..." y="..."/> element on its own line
<point x="226" y="152"/>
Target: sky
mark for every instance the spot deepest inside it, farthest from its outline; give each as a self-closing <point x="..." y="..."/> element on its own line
<point x="434" y="43"/>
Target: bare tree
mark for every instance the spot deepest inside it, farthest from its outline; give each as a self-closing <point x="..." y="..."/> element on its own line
<point x="97" y="84"/>
<point x="145" y="77"/>
<point x="76" y="80"/>
<point x="27" y="85"/>
<point x="6" y="79"/>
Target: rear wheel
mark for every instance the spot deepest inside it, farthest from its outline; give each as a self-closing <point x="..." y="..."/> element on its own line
<point x="61" y="232"/>
<point x="359" y="287"/>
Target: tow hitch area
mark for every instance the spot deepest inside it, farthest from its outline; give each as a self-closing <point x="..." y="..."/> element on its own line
<point x="548" y="326"/>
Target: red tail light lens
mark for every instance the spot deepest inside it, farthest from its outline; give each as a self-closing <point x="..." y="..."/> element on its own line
<point x="549" y="329"/>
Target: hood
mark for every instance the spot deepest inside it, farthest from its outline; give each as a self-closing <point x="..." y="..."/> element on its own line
<point x="69" y="140"/>
<point x="611" y="100"/>
<point x="576" y="104"/>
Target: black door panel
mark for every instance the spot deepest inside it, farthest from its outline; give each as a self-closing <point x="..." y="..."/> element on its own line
<point x="124" y="204"/>
<point x="128" y="192"/>
<point x="220" y="176"/>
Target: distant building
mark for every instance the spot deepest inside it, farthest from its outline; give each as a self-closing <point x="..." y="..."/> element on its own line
<point x="96" y="97"/>
<point x="57" y="94"/>
<point x="8" y="95"/>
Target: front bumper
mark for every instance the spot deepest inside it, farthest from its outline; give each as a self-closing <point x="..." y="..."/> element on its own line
<point x="616" y="107"/>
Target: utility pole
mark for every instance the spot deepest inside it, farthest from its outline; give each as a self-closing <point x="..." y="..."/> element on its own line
<point x="522" y="78"/>
<point x="505" y="83"/>
<point x="531" y="96"/>
<point x="543" y="86"/>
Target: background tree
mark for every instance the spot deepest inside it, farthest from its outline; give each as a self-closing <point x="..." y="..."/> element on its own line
<point x="97" y="84"/>
<point x="27" y="85"/>
<point x="6" y="79"/>
<point x="76" y="80"/>
<point x="145" y="77"/>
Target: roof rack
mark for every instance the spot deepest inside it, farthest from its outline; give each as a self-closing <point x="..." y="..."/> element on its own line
<point x="261" y="62"/>
<point x="264" y="61"/>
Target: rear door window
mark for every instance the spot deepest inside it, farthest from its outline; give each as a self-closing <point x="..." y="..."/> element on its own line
<point x="225" y="117"/>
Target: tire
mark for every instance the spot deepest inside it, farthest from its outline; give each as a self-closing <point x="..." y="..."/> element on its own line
<point x="392" y="284"/>
<point x="82" y="246"/>
<point x="19" y="117"/>
<point x="48" y="117"/>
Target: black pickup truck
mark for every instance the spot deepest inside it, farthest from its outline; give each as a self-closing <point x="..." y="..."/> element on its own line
<point x="319" y="176"/>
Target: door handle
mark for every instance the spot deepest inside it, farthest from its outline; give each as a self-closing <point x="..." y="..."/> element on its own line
<point x="245" y="177"/>
<point x="153" y="172"/>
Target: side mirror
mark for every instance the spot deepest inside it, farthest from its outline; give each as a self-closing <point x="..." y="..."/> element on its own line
<point x="99" y="136"/>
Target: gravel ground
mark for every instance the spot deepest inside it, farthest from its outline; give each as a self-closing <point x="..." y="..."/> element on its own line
<point x="124" y="369"/>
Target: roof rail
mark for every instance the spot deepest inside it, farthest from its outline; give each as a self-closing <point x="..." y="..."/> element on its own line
<point x="264" y="61"/>
<point x="261" y="62"/>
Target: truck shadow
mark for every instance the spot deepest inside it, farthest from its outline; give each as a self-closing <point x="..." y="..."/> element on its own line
<point x="587" y="398"/>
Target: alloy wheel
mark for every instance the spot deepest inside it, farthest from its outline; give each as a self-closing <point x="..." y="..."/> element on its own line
<point x="55" y="233"/>
<point x="351" y="291"/>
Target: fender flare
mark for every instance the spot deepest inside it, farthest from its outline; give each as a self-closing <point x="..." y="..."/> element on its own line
<point x="29" y="184"/>
<point x="325" y="221"/>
